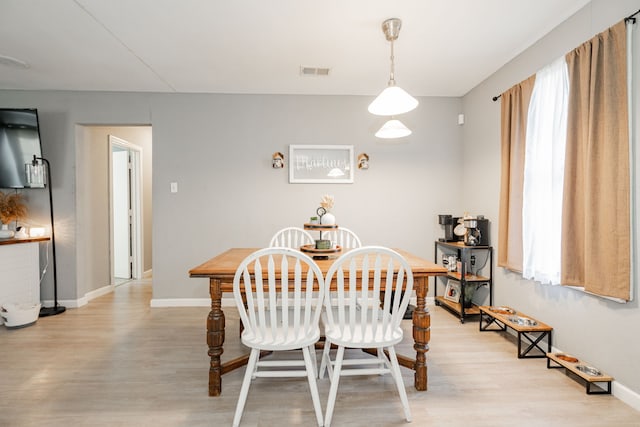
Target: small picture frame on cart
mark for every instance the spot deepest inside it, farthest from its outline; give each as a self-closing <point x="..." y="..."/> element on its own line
<point x="452" y="291"/>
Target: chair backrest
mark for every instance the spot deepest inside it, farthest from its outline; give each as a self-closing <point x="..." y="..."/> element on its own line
<point x="343" y="237"/>
<point x="278" y="292"/>
<point x="292" y="237"/>
<point x="369" y="307"/>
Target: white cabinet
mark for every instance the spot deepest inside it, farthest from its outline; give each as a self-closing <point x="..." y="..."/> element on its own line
<point x="19" y="272"/>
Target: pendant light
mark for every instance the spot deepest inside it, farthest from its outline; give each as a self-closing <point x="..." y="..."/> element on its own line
<point x="393" y="129"/>
<point x="393" y="100"/>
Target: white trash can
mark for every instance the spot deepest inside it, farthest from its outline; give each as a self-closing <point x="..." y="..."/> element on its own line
<point x="19" y="315"/>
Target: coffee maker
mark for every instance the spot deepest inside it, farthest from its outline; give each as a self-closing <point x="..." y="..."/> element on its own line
<point x="477" y="231"/>
<point x="447" y="222"/>
<point x="473" y="235"/>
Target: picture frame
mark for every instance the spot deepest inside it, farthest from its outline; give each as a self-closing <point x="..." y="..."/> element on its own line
<point x="452" y="291"/>
<point x="315" y="164"/>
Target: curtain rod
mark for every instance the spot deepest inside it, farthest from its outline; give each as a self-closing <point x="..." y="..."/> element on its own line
<point x="627" y="19"/>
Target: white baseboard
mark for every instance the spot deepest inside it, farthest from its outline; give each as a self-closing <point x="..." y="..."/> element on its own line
<point x="99" y="292"/>
<point x="75" y="303"/>
<point x="625" y="394"/>
<point x="67" y="303"/>
<point x="618" y="390"/>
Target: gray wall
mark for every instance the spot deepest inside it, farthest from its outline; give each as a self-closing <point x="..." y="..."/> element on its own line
<point x="597" y="330"/>
<point x="218" y="149"/>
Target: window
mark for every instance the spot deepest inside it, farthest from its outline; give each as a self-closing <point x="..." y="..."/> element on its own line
<point x="544" y="174"/>
<point x="565" y="184"/>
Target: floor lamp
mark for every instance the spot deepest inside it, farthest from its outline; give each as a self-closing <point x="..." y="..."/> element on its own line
<point x="56" y="309"/>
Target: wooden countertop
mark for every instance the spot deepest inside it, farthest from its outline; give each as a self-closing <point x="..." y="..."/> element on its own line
<point x="14" y="241"/>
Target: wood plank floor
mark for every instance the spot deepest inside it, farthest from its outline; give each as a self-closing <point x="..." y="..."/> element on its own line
<point x="118" y="362"/>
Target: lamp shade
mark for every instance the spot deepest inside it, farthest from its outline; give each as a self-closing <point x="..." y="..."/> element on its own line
<point x="392" y="101"/>
<point x="393" y="129"/>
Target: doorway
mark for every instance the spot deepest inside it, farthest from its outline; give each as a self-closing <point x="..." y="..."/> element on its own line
<point x="125" y="194"/>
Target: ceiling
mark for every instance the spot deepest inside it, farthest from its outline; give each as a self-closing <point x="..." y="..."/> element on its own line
<point x="445" y="47"/>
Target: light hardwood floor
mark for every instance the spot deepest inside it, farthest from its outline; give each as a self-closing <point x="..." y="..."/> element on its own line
<point x="118" y="362"/>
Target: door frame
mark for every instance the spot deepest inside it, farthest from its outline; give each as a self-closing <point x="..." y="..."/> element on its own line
<point x="135" y="165"/>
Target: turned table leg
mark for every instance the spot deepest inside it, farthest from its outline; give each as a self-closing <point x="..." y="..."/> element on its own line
<point x="421" y="333"/>
<point x="215" y="337"/>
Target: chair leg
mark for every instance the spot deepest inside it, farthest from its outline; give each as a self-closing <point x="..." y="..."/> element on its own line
<point x="397" y="375"/>
<point x="309" y="361"/>
<point x="314" y="359"/>
<point x="246" y="382"/>
<point x="381" y="358"/>
<point x="333" y="391"/>
<point x="325" y="361"/>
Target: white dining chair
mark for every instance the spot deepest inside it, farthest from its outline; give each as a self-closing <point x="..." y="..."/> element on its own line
<point x="274" y="323"/>
<point x="292" y="237"/>
<point x="365" y="312"/>
<point x="343" y="237"/>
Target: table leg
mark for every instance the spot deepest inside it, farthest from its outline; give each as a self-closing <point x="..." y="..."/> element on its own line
<point x="215" y="337"/>
<point x="421" y="332"/>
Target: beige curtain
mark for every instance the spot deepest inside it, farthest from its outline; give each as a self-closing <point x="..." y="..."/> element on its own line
<point x="595" y="221"/>
<point x="514" y="109"/>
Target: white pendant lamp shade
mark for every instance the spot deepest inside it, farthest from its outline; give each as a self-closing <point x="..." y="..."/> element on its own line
<point x="393" y="129"/>
<point x="392" y="101"/>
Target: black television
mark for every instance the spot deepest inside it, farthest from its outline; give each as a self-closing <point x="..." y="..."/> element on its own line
<point x="19" y="142"/>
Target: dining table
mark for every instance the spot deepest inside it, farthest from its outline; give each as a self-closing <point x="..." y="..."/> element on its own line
<point x="221" y="269"/>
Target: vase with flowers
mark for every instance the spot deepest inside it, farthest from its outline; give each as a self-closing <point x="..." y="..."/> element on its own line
<point x="327" y="204"/>
<point x="12" y="208"/>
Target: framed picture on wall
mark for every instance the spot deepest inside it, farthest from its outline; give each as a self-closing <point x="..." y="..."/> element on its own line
<point x="321" y="164"/>
<point x="452" y="291"/>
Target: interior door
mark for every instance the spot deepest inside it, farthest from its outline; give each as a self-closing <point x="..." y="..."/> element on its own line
<point x="121" y="199"/>
<point x="126" y="210"/>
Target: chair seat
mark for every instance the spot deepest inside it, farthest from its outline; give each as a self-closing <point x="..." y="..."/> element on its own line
<point x="280" y="338"/>
<point x="371" y="335"/>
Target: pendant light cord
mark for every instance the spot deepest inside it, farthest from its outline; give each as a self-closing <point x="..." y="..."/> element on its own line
<point x="392" y="79"/>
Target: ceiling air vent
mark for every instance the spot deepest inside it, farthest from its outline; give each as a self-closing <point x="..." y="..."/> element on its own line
<point x="314" y="71"/>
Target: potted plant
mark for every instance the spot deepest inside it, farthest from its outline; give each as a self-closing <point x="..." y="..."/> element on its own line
<point x="12" y="208"/>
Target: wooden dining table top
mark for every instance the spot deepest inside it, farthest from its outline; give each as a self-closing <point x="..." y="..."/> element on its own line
<point x="226" y="263"/>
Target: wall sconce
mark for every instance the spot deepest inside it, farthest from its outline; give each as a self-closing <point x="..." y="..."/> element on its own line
<point x="363" y="161"/>
<point x="277" y="161"/>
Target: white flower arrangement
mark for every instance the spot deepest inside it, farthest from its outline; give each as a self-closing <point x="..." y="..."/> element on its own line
<point x="327" y="202"/>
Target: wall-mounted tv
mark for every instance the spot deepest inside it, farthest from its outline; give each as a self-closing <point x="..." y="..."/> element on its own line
<point x="19" y="142"/>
